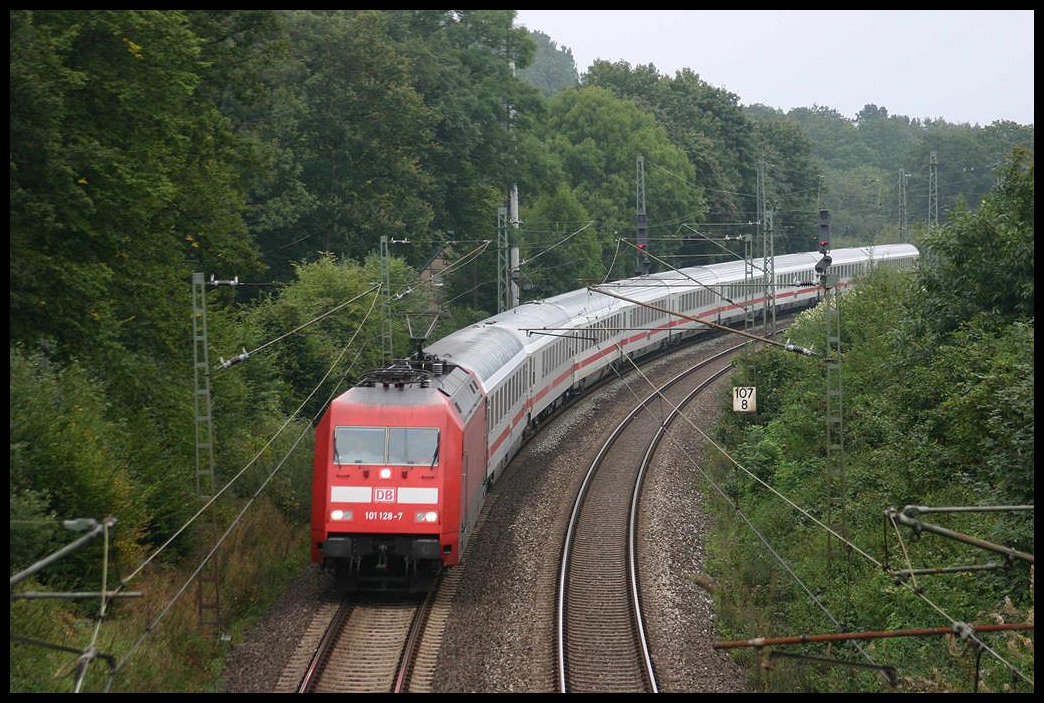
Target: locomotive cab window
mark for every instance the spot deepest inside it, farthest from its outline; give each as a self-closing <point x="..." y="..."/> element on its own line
<point x="412" y="446"/>
<point x="359" y="445"/>
<point x="400" y="446"/>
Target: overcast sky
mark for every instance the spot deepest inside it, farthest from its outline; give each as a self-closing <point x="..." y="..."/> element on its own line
<point x="972" y="66"/>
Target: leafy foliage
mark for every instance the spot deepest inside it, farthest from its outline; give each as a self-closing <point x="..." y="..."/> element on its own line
<point x="598" y="138"/>
<point x="68" y="457"/>
<point x="983" y="263"/>
<point x="553" y="67"/>
<point x="109" y="149"/>
<point x="862" y="160"/>
<point x="938" y="411"/>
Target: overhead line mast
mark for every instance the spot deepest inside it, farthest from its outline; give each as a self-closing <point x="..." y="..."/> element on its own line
<point x="510" y="264"/>
<point x="933" y="190"/>
<point x="768" y="255"/>
<point x="641" y="267"/>
<point x="904" y="223"/>
<point x="503" y="267"/>
<point x="208" y="600"/>
<point x="834" y="475"/>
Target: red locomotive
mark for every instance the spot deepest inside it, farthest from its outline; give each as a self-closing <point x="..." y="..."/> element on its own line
<point x="396" y="459"/>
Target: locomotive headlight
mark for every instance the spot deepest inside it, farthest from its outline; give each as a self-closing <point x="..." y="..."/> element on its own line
<point x="385" y="473"/>
<point x="341" y="515"/>
<point x="427" y="516"/>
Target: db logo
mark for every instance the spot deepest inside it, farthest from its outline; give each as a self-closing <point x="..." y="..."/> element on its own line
<point x="384" y="495"/>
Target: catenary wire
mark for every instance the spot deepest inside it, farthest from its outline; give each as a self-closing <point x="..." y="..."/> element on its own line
<point x="235" y="478"/>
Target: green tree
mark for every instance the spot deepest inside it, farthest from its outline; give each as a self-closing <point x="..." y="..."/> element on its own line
<point x="790" y="180"/>
<point x="462" y="66"/>
<point x="982" y="264"/>
<point x="708" y="125"/>
<point x="561" y="251"/>
<point x="69" y="458"/>
<point x="955" y="427"/>
<point x="122" y="184"/>
<point x="553" y="67"/>
<point x="250" y="75"/>
<point x="835" y="139"/>
<point x="598" y="138"/>
<point x="638" y="83"/>
<point x="861" y="159"/>
<point x="891" y="139"/>
<point x="359" y="139"/>
<point x="109" y="150"/>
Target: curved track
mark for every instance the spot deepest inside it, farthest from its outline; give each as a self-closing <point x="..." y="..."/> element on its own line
<point x="601" y="643"/>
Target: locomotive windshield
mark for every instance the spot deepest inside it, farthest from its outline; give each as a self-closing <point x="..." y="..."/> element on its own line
<point x="400" y="446"/>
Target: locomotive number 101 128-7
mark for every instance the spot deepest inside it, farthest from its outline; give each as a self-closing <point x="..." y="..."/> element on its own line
<point x="382" y="515"/>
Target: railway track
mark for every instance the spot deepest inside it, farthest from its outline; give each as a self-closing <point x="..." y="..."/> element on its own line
<point x="360" y="647"/>
<point x="601" y="644"/>
<point x="372" y="646"/>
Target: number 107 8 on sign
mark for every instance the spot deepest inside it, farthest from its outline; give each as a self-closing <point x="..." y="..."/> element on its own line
<point x="744" y="399"/>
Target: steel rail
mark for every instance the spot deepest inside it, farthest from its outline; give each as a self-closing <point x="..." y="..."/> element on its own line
<point x="413" y="639"/>
<point x="322" y="652"/>
<point x="574" y="516"/>
<point x="632" y="538"/>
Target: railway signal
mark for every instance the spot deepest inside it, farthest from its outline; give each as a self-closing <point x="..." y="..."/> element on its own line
<point x="824" y="242"/>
